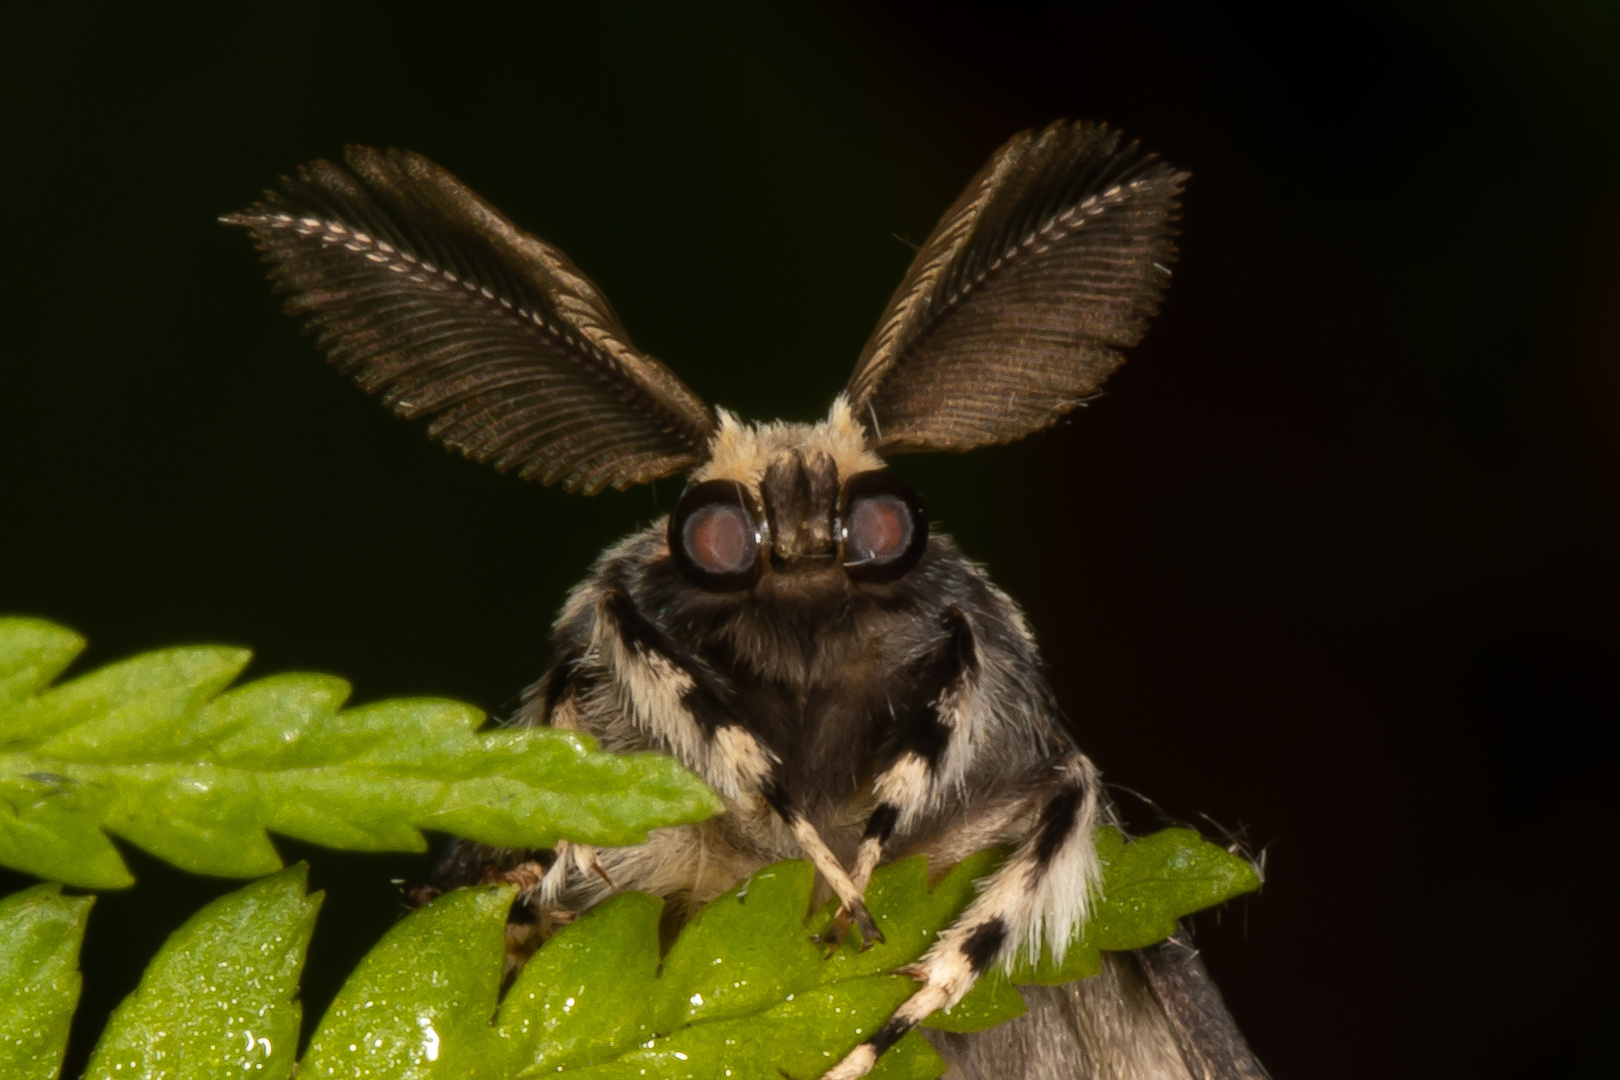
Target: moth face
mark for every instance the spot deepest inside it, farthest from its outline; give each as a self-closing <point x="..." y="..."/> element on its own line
<point x="803" y="532"/>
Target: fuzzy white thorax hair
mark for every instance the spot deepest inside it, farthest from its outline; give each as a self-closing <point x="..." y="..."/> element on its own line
<point x="743" y="452"/>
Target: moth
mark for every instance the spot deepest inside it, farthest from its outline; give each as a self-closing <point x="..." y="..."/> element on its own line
<point x="853" y="686"/>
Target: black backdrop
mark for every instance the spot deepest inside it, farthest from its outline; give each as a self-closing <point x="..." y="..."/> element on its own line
<point x="1333" y="561"/>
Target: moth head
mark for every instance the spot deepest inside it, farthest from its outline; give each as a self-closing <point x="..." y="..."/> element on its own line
<point x="795" y="510"/>
<point x="1015" y="310"/>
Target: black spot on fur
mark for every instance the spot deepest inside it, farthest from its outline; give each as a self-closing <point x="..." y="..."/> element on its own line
<point x="892" y="1031"/>
<point x="881" y="823"/>
<point x="1057" y="819"/>
<point x="982" y="944"/>
<point x="967" y="651"/>
<point x="560" y="679"/>
<point x="635" y="629"/>
<point x="776" y="795"/>
<point x="705" y="706"/>
<point x="918" y="726"/>
<point x="706" y="698"/>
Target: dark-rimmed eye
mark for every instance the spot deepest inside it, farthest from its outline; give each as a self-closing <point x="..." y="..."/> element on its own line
<point x="714" y="538"/>
<point x="883" y="529"/>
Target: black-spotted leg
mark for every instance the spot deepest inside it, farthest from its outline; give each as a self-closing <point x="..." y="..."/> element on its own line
<point x="1039" y="898"/>
<point x="940" y="687"/>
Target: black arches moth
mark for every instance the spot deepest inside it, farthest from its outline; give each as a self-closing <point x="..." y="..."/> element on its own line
<point x="852" y="685"/>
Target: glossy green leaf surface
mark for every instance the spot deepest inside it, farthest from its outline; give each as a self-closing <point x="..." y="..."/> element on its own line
<point x="743" y="991"/>
<point x="40" y="933"/>
<point x="220" y="997"/>
<point x="592" y="989"/>
<point x="419" y="1005"/>
<point x="593" y="1002"/>
<point x="800" y="1038"/>
<point x="156" y="750"/>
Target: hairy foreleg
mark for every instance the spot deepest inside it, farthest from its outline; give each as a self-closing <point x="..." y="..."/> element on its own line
<point x="1038" y="899"/>
<point x="851" y="897"/>
<point x="941" y="686"/>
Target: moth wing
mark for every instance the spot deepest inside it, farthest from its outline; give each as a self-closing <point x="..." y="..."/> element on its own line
<point x="1018" y="304"/>
<point x="430" y="297"/>
<point x="1211" y="1045"/>
<point x="1150" y="1015"/>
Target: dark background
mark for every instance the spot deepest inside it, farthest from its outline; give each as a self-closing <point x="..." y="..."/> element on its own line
<point x="1334" y="561"/>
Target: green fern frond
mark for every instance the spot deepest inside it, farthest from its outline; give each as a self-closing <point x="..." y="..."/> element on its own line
<point x="157" y="751"/>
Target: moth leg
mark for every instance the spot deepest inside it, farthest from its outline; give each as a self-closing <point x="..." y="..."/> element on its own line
<point x="851" y="897"/>
<point x="542" y="886"/>
<point x="879" y="827"/>
<point x="581" y="857"/>
<point x="942" y="683"/>
<point x="1039" y="897"/>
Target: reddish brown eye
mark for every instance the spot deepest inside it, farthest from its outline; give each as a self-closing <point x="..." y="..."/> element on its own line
<point x="885" y="530"/>
<point x="713" y="537"/>
<point x="720" y="538"/>
<point x="879" y="527"/>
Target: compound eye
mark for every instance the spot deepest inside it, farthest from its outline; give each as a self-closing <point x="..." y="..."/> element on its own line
<point x="713" y="537"/>
<point x="884" y="527"/>
<point x="879" y="527"/>
<point x="719" y="538"/>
